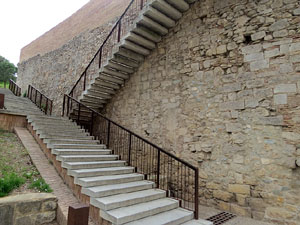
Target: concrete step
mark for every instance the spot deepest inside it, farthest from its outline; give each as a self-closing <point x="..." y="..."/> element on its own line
<point x="91" y="105"/>
<point x="198" y="222"/>
<point x="108" y="190"/>
<point x="106" y="84"/>
<point x="135" y="48"/>
<point x="80" y="152"/>
<point x="51" y="130"/>
<point x="89" y="98"/>
<point x="159" y="17"/>
<point x="86" y="158"/>
<point x="55" y="126"/>
<point x="167" y="9"/>
<point x="122" y="200"/>
<point x="107" y="180"/>
<point x="117" y="50"/>
<point x="146" y="33"/>
<point x="44" y="117"/>
<point x="95" y="101"/>
<point x="111" y="72"/>
<point x="97" y="93"/>
<point x="101" y="171"/>
<point x="70" y="141"/>
<point x="120" y="67"/>
<point x="92" y="165"/>
<point x="140" y="40"/>
<point x="100" y="89"/>
<point x="81" y="136"/>
<point x="153" y="25"/>
<point x="138" y="211"/>
<point x="78" y="146"/>
<point x="103" y="76"/>
<point x="181" y="5"/>
<point x="124" y="61"/>
<point x="172" y="217"/>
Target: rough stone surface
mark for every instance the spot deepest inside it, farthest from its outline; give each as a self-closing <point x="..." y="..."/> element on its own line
<point x="27" y="209"/>
<point x="211" y="107"/>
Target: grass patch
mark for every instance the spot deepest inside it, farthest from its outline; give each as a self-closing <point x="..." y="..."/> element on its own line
<point x="9" y="182"/>
<point x="16" y="166"/>
<point x="2" y="84"/>
<point x="40" y="185"/>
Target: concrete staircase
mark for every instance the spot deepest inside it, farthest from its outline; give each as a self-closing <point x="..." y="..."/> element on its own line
<point x="152" y="23"/>
<point x="121" y="195"/>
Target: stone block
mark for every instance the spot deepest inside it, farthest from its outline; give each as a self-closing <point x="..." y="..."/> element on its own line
<point x="6" y="214"/>
<point x="280" y="33"/>
<point x="258" y="204"/>
<point x="221" y="49"/>
<point x="241" y="199"/>
<point x="241" y="211"/>
<point x="231" y="87"/>
<point x="251" y="103"/>
<point x="239" y="159"/>
<point x="272" y="53"/>
<point x="258" y="35"/>
<point x="258" y="65"/>
<point x="279" y="213"/>
<point x="296" y="12"/>
<point x="222" y="195"/>
<point x="298" y="161"/>
<point x="233" y="127"/>
<point x="195" y="67"/>
<point x="233" y="105"/>
<point x="28" y="220"/>
<point x="255" y="83"/>
<point x="271" y="120"/>
<point x="239" y="188"/>
<point x="280" y="99"/>
<point x="285" y="88"/>
<point x="28" y="207"/>
<point x="49" y="205"/>
<point x="294" y="47"/>
<point x="224" y="206"/>
<point x="295" y="58"/>
<point x="45" y="217"/>
<point x="279" y="25"/>
<point x="253" y="57"/>
<point x="286" y="68"/>
<point x="251" y="49"/>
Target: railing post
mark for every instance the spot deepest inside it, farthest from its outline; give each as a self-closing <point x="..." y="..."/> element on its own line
<point x="108" y="134"/>
<point x="119" y="31"/>
<point x="158" y="168"/>
<point x="142" y="4"/>
<point x="78" y="116"/>
<point x="2" y="97"/>
<point x="84" y="81"/>
<point x="129" y="149"/>
<point x="35" y="96"/>
<point x="92" y="124"/>
<point x="68" y="105"/>
<point x="63" y="109"/>
<point x="46" y="109"/>
<point x="196" y="193"/>
<point x="100" y="57"/>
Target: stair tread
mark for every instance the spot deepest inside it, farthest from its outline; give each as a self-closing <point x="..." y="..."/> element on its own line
<point x="120" y="215"/>
<point x="92" y="163"/>
<point x="164" y="217"/>
<point x="103" y="169"/>
<point x="110" y="177"/>
<point x="128" y="196"/>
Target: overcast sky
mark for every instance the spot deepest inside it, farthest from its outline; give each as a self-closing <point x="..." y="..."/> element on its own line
<point x="22" y="21"/>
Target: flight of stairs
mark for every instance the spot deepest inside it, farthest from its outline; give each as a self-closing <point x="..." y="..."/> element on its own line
<point x="122" y="195"/>
<point x="152" y="23"/>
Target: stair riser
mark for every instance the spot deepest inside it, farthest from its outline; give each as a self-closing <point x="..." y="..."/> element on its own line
<point x="102" y="173"/>
<point x="57" y="152"/>
<point x="78" y="159"/>
<point x="66" y="141"/>
<point x="80" y="137"/>
<point x="58" y="146"/>
<point x="108" y="182"/>
<point x="126" y="203"/>
<point x="116" y="191"/>
<point x="137" y="216"/>
<point x="93" y="166"/>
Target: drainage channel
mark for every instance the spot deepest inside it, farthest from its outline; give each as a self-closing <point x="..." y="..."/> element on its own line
<point x="221" y="218"/>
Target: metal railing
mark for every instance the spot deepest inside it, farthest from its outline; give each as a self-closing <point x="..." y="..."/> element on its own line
<point x="119" y="30"/>
<point x="170" y="173"/>
<point x="40" y="100"/>
<point x="14" y="88"/>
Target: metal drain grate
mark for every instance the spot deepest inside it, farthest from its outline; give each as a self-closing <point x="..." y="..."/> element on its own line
<point x="221" y="218"/>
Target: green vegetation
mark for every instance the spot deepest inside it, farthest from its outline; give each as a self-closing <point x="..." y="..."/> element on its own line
<point x="2" y="85"/>
<point x="40" y="185"/>
<point x="17" y="173"/>
<point x="9" y="182"/>
<point x="7" y="70"/>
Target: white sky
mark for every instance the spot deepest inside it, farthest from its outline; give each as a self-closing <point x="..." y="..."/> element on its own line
<point x="22" y="21"/>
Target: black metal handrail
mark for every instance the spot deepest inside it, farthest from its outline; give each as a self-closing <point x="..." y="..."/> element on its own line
<point x="14" y="88"/>
<point x="178" y="177"/>
<point x="40" y="100"/>
<point x="105" y="50"/>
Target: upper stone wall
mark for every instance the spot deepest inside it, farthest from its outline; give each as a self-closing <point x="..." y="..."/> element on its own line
<point x="92" y="15"/>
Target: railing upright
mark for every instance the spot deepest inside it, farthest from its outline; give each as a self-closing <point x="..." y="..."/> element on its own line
<point x="39" y="102"/>
<point x="15" y="89"/>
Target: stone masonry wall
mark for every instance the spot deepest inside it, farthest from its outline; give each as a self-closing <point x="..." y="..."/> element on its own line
<point x="222" y="91"/>
<point x="55" y="72"/>
<point x="29" y="209"/>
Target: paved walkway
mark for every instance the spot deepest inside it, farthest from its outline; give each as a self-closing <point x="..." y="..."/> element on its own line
<point x="60" y="190"/>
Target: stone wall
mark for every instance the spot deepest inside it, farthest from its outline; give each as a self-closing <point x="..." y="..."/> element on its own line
<point x="56" y="72"/>
<point x="222" y="91"/>
<point x="29" y="209"/>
